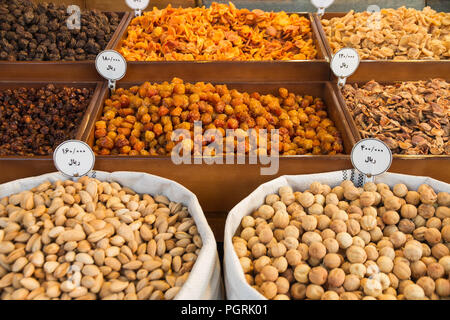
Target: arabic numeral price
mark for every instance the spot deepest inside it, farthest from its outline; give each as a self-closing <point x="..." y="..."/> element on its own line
<point x="344" y="65"/>
<point x="110" y="68"/>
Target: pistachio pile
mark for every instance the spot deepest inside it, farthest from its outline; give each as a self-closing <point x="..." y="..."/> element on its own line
<point x="91" y="240"/>
<point x="348" y="243"/>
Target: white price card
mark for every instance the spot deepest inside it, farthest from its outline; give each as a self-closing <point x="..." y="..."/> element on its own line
<point x="137" y="5"/>
<point x="371" y="157"/>
<point x="321" y="5"/>
<point x="111" y="65"/>
<point x="74" y="158"/>
<point x="345" y="62"/>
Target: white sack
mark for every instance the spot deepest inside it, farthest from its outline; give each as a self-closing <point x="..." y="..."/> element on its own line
<point x="204" y="282"/>
<point x="235" y="283"/>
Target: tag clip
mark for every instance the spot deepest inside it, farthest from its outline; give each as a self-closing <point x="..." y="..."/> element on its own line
<point x="137" y="12"/>
<point x="320" y="12"/>
<point x="341" y="82"/>
<point x="112" y="85"/>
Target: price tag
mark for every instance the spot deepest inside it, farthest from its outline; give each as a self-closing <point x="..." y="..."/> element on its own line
<point x="112" y="66"/>
<point x="74" y="158"/>
<point x="137" y="5"/>
<point x="321" y="5"/>
<point x="344" y="63"/>
<point x="371" y="157"/>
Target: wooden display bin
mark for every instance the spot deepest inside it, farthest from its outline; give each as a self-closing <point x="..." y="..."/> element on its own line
<point x="63" y="71"/>
<point x="387" y="70"/>
<point x="232" y="71"/>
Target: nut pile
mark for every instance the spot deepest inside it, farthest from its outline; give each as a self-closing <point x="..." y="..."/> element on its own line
<point x="410" y="117"/>
<point x="348" y="243"/>
<point x="39" y="32"/>
<point x="35" y="121"/>
<point x="220" y="32"/>
<point x="94" y="240"/>
<point x="392" y="34"/>
<point x="141" y="120"/>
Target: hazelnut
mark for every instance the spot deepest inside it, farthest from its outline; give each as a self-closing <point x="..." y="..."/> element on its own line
<point x="280" y="264"/>
<point x="397" y="239"/>
<point x="282" y="285"/>
<point x="266" y="212"/>
<point x="351" y="282"/>
<point x="330" y="295"/>
<point x="372" y="287"/>
<point x="293" y="257"/>
<point x="392" y="203"/>
<point x="336" y="277"/>
<point x="266" y="235"/>
<point x="248" y="222"/>
<point x="432" y="236"/>
<point x="435" y="270"/>
<point x="418" y="269"/>
<point x="402" y="271"/>
<point x="412" y="197"/>
<point x="314" y="292"/>
<point x="443" y="199"/>
<point x="400" y="190"/>
<point x="440" y="250"/>
<point x="412" y="252"/>
<point x="316" y="188"/>
<point x="268" y="289"/>
<point x="271" y="199"/>
<point x="332" y="245"/>
<point x="414" y="292"/>
<point x="427" y="284"/>
<point x="351" y="193"/>
<point x="315" y="209"/>
<point x="260" y="263"/>
<point x="306" y="199"/>
<point x="445" y="263"/>
<point x="309" y="223"/>
<point x="301" y="273"/>
<point x="443" y="287"/>
<point x="344" y="239"/>
<point x="367" y="199"/>
<point x="391" y="217"/>
<point x="258" y="250"/>
<point x="318" y="275"/>
<point x="427" y="194"/>
<point x="368" y="223"/>
<point x="332" y="198"/>
<point x="356" y="254"/>
<point x="317" y="250"/>
<point x="298" y="291"/>
<point x="281" y="219"/>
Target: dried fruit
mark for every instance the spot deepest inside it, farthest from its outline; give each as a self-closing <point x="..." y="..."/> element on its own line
<point x="410" y="117"/>
<point x="220" y="32"/>
<point x="35" y="121"/>
<point x="392" y="34"/>
<point x="141" y="120"/>
<point x="39" y="32"/>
